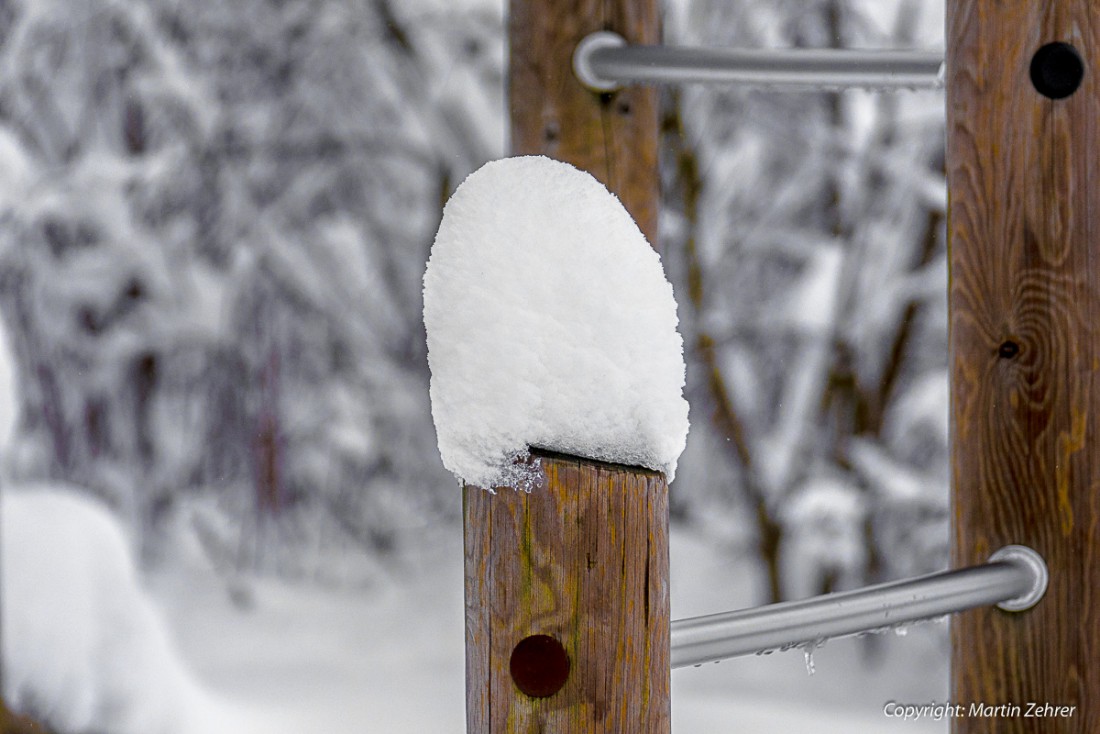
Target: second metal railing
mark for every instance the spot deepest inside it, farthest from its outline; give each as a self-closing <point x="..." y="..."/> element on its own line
<point x="1014" y="579"/>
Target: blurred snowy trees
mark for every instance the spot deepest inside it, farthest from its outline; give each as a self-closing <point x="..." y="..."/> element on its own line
<point x="215" y="217"/>
<point x="214" y="224"/>
<point x="808" y="231"/>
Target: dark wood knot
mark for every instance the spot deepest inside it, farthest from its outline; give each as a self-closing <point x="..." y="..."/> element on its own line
<point x="1008" y="349"/>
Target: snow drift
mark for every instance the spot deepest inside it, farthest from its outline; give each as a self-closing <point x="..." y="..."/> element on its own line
<point x="83" y="647"/>
<point x="550" y="324"/>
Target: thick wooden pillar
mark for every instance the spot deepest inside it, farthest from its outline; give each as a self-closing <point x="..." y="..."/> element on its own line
<point x="612" y="136"/>
<point x="567" y="602"/>
<point x="1023" y="127"/>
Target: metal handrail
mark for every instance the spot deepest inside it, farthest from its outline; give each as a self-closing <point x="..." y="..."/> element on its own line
<point x="1015" y="578"/>
<point x="603" y="61"/>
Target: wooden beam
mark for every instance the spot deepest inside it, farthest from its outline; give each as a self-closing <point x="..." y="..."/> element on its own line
<point x="1024" y="221"/>
<point x="581" y="562"/>
<point x="612" y="136"/>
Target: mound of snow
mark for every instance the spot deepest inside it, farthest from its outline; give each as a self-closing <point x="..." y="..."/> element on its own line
<point x="550" y="324"/>
<point x="83" y="647"/>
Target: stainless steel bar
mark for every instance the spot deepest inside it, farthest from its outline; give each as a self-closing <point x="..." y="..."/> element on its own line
<point x="604" y="62"/>
<point x="1015" y="579"/>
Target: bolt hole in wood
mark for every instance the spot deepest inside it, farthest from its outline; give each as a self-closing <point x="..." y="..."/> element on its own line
<point x="551" y="132"/>
<point x="1008" y="349"/>
<point x="539" y="666"/>
<point x="1057" y="70"/>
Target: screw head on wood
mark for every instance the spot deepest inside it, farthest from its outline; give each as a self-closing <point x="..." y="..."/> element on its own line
<point x="1057" y="70"/>
<point x="539" y="666"/>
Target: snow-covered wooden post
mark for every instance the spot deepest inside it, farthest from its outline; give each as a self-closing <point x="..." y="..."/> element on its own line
<point x="567" y="598"/>
<point x="1023" y="125"/>
<point x="551" y="337"/>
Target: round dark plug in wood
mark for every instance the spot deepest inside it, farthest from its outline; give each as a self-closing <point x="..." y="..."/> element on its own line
<point x="539" y="666"/>
<point x="1057" y="70"/>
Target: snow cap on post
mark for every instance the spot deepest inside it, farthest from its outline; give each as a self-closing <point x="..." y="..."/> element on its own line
<point x="551" y="325"/>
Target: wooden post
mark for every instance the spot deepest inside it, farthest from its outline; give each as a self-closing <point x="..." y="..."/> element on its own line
<point x="567" y="605"/>
<point x="567" y="602"/>
<point x="1024" y="178"/>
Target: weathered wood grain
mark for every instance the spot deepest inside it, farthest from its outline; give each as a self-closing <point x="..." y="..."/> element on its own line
<point x="1024" y="181"/>
<point x="612" y="136"/>
<point x="583" y="559"/>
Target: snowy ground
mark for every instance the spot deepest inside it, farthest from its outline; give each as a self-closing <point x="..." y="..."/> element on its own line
<point x="390" y="658"/>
